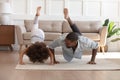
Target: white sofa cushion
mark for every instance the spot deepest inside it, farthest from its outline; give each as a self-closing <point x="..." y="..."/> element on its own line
<point x="49" y="36"/>
<point x="84" y="26"/>
<point x="47" y="26"/>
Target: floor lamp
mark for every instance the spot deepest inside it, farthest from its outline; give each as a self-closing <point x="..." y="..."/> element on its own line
<point x="5" y="13"/>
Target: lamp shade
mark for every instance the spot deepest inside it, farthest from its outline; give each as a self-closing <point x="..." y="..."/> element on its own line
<point x="5" y="8"/>
<point x="5" y="12"/>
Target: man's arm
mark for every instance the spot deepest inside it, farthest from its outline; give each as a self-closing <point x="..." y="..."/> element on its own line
<point x="94" y="53"/>
<point x="21" y="56"/>
<point x="53" y="52"/>
<point x="90" y="44"/>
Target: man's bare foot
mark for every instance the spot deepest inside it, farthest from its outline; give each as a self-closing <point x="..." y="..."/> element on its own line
<point x="65" y="13"/>
<point x="38" y="11"/>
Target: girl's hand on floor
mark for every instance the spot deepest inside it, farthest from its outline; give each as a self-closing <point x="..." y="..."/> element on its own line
<point x="21" y="63"/>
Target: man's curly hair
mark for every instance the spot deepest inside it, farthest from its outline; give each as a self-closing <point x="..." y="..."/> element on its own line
<point x="37" y="52"/>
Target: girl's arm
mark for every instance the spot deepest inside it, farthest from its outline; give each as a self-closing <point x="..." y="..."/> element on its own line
<point x="51" y="57"/>
<point x="21" y="56"/>
<point x="52" y="51"/>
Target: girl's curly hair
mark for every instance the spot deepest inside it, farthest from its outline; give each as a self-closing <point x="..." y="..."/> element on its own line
<point x="37" y="52"/>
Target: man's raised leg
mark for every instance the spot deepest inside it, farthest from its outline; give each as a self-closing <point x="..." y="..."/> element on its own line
<point x="72" y="25"/>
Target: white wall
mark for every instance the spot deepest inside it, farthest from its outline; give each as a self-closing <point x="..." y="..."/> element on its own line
<point x="79" y="10"/>
<point x="93" y="9"/>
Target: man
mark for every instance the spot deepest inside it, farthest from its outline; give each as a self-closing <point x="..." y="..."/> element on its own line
<point x="74" y="43"/>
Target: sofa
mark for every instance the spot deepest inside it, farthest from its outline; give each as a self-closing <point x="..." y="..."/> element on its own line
<point x="55" y="28"/>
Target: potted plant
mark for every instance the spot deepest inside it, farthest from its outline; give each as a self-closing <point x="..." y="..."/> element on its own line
<point x="112" y="30"/>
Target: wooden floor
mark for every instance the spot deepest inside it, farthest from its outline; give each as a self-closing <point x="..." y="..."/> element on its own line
<point x="8" y="61"/>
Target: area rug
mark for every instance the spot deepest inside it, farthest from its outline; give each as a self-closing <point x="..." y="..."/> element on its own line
<point x="75" y="64"/>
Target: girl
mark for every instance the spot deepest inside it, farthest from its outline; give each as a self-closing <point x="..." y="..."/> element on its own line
<point x="37" y="51"/>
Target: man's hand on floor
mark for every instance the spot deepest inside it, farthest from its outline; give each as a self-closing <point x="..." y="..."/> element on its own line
<point x="91" y="62"/>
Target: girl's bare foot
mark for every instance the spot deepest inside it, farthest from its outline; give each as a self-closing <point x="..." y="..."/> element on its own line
<point x="65" y="13"/>
<point x="38" y="11"/>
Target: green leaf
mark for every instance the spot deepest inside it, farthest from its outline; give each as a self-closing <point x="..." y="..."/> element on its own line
<point x="118" y="32"/>
<point x="110" y="26"/>
<point x="106" y="22"/>
<point x="113" y="32"/>
<point x="116" y="39"/>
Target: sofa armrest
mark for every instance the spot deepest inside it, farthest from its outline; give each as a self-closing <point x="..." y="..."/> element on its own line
<point x="103" y="35"/>
<point x="19" y="31"/>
